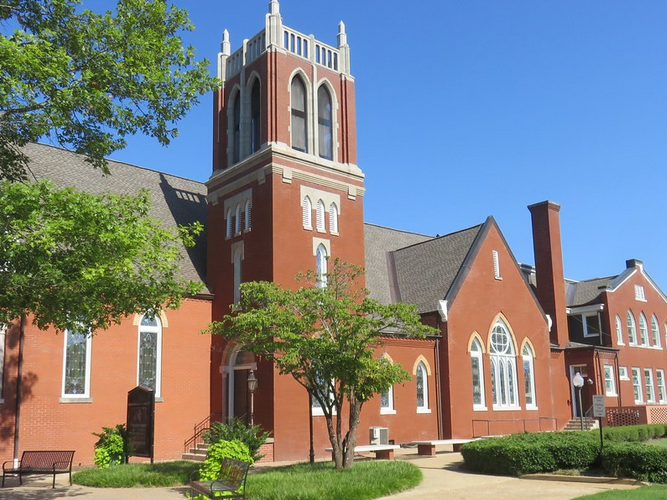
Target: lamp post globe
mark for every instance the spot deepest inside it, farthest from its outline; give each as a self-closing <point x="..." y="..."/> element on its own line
<point x="578" y="383"/>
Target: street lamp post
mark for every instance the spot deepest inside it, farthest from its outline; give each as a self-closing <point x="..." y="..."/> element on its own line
<point x="252" y="387"/>
<point x="578" y="383"/>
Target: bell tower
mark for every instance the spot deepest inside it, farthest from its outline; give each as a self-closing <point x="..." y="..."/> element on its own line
<point x="285" y="194"/>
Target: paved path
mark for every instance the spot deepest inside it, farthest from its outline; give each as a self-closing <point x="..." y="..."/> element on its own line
<point x="442" y="480"/>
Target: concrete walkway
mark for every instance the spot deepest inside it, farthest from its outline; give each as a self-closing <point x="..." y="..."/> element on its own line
<point x="442" y="480"/>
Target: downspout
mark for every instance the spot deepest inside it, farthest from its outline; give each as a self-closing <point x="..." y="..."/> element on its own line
<point x="19" y="376"/>
<point x="437" y="384"/>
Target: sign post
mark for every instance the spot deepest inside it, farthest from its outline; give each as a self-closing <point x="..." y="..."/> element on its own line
<point x="599" y="411"/>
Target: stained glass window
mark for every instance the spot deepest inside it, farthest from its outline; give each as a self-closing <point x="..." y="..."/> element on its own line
<point x="503" y="367"/>
<point x="150" y="351"/>
<point x="76" y="376"/>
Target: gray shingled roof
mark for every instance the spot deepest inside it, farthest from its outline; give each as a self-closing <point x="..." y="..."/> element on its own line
<point x="425" y="272"/>
<point x="174" y="200"/>
<point x="414" y="268"/>
<point x="581" y="293"/>
<point x="379" y="243"/>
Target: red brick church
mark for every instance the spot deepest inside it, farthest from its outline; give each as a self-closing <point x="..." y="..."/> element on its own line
<point x="285" y="194"/>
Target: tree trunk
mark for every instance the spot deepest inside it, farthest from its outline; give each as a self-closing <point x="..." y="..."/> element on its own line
<point x="351" y="438"/>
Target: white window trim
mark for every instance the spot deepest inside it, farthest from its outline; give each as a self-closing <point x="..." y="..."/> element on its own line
<point x="660" y="385"/>
<point x="496" y="265"/>
<point x="247" y="224"/>
<point x="307" y="213"/>
<point x="477" y="354"/>
<point x="612" y="392"/>
<point x="508" y="361"/>
<point x="530" y="357"/>
<point x="650" y="394"/>
<point x="85" y="396"/>
<point x="643" y="338"/>
<point x="388" y="410"/>
<point x="623" y="373"/>
<point x="637" y="373"/>
<point x="655" y="333"/>
<point x="640" y="295"/>
<point x="317" y="411"/>
<point x="619" y="331"/>
<point x="584" y="322"/>
<point x="158" y="358"/>
<point x="632" y="327"/>
<point x="333" y="219"/>
<point x="425" y="407"/>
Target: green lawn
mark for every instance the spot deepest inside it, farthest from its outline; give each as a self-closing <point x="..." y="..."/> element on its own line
<point x="658" y="442"/>
<point x="643" y="493"/>
<point x="365" y="481"/>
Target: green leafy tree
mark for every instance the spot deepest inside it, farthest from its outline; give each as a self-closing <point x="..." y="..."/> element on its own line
<point x="71" y="259"/>
<point x="327" y="338"/>
<point x="88" y="80"/>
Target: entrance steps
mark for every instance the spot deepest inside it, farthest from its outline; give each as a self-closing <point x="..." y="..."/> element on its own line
<point x="575" y="424"/>
<point x="196" y="454"/>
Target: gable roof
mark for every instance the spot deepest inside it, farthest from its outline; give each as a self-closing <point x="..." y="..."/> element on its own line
<point x="174" y="200"/>
<point x="583" y="293"/>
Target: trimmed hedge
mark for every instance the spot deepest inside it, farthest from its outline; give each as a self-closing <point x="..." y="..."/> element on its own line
<point x="528" y="453"/>
<point x="624" y="455"/>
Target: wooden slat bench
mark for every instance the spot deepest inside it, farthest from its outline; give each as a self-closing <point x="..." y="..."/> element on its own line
<point x="40" y="462"/>
<point x="231" y="480"/>
<point x="428" y="447"/>
<point x="382" y="451"/>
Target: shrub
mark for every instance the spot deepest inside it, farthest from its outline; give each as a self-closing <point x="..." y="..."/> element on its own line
<point x="112" y="447"/>
<point x="636" y="460"/>
<point x="252" y="435"/>
<point x="210" y="469"/>
<point x="634" y="433"/>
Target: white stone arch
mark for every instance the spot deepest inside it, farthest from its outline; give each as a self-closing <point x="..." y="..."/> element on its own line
<point x="236" y="93"/>
<point x="238" y="363"/>
<point x="334" y="116"/>
<point x="246" y="112"/>
<point x="308" y="85"/>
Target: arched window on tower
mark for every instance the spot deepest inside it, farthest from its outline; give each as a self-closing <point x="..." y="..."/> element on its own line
<point x="321" y="261"/>
<point x="307" y="213"/>
<point x="228" y="232"/>
<point x="248" y="216"/>
<point x="238" y="273"/>
<point x="236" y="129"/>
<point x="299" y="122"/>
<point x="319" y="215"/>
<point x="324" y="121"/>
<point x="237" y="219"/>
<point x="333" y="218"/>
<point x="255" y="117"/>
<point x="503" y="367"/>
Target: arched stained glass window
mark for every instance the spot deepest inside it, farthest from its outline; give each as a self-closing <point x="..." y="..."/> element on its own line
<point x="529" y="376"/>
<point x="150" y="353"/>
<point x="503" y="367"/>
<point x="421" y="378"/>
<point x="477" y="366"/>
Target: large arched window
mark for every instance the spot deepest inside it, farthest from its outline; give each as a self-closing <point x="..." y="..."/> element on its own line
<point x="643" y="329"/>
<point x="655" y="332"/>
<point x="150" y="353"/>
<point x="324" y="122"/>
<point x="299" y="116"/>
<point x="529" y="376"/>
<point x="236" y="129"/>
<point x="503" y="367"/>
<point x="619" y="331"/>
<point x="321" y="258"/>
<point x="307" y="213"/>
<point x="477" y="365"/>
<point x="255" y="117"/>
<point x="421" y="378"/>
<point x="632" y="329"/>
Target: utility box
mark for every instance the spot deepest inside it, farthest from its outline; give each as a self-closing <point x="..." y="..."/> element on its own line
<point x="378" y="435"/>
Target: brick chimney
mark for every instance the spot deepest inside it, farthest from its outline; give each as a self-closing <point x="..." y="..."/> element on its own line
<point x="549" y="267"/>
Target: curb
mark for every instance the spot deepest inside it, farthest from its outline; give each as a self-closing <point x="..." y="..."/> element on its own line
<point x="584" y="479"/>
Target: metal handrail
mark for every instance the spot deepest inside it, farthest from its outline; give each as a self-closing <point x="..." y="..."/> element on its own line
<point x="199" y="429"/>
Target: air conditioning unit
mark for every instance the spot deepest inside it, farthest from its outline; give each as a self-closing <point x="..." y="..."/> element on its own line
<point x="378" y="435"/>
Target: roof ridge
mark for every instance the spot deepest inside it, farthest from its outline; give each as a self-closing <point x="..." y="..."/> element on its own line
<point x="398" y="230"/>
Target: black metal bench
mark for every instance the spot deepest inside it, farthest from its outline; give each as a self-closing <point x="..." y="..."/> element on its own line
<point x="40" y="462"/>
<point x="231" y="480"/>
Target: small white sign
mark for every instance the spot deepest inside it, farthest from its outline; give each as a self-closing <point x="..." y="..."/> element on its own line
<point x="599" y="410"/>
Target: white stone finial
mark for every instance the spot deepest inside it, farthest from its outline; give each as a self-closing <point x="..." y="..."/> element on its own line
<point x="225" y="46"/>
<point x="342" y="36"/>
<point x="274" y="7"/>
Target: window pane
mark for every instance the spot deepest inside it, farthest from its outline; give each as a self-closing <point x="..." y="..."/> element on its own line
<point x="148" y="359"/>
<point x="420" y="386"/>
<point x="299" y="126"/>
<point x="75" y="364"/>
<point x="528" y="377"/>
<point x="476" y="381"/>
<point x="255" y="118"/>
<point x="324" y="123"/>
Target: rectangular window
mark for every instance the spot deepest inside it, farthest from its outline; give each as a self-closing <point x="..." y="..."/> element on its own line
<point x="637" y="385"/>
<point x="591" y="325"/>
<point x="609" y="382"/>
<point x="623" y="373"/>
<point x="639" y="293"/>
<point x="76" y="365"/>
<point x="387" y="402"/>
<point x="650" y="391"/>
<point x="662" y="391"/>
<point x="496" y="266"/>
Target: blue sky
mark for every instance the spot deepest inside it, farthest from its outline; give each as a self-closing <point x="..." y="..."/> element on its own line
<point x="472" y="108"/>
